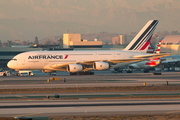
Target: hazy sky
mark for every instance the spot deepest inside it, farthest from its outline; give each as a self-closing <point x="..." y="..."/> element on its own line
<point x="25" y="19"/>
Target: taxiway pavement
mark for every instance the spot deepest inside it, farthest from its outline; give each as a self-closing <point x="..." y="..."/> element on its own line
<point x="17" y="108"/>
<point x="88" y="107"/>
<point x="104" y="80"/>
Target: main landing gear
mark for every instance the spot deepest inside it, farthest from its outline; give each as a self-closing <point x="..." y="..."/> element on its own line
<point x="82" y="73"/>
<point x="146" y="71"/>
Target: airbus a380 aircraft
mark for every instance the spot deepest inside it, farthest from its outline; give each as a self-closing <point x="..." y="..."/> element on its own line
<point x="83" y="61"/>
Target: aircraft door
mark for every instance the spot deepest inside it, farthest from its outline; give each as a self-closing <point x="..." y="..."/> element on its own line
<point x="23" y="62"/>
<point x="95" y="55"/>
<point x="79" y="60"/>
<point x="45" y="61"/>
<point x="114" y="55"/>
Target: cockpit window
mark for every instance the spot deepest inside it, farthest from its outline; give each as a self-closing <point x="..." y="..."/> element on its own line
<point x="14" y="59"/>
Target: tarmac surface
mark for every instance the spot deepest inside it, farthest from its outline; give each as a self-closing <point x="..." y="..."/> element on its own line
<point x="84" y="95"/>
<point x="84" y="106"/>
<point x="88" y="107"/>
<point x="104" y="80"/>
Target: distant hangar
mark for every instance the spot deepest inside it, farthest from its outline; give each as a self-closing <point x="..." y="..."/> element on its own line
<point x="171" y="44"/>
<point x="171" y="39"/>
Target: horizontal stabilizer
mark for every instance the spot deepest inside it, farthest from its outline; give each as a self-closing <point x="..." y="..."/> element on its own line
<point x="152" y="56"/>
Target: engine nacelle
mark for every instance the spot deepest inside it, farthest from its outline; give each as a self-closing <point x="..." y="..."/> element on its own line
<point x="48" y="71"/>
<point x="101" y="66"/>
<point x="74" y="68"/>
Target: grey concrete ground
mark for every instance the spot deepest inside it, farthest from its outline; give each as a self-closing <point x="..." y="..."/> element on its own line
<point x="121" y="79"/>
<point x="88" y="107"/>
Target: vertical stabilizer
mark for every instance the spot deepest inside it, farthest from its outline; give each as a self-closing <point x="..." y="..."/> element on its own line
<point x="142" y="40"/>
<point x="151" y="48"/>
<point x="158" y="46"/>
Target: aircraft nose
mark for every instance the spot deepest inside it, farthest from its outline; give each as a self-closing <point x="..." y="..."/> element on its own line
<point x="9" y="64"/>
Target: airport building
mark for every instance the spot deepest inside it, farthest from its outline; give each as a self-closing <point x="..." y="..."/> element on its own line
<point x="120" y="40"/>
<point x="75" y="41"/>
<point x="115" y="40"/>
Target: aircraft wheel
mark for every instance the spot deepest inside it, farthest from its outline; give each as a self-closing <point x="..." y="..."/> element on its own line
<point x="91" y="73"/>
<point x="129" y="71"/>
<point x="86" y="73"/>
<point x="81" y="73"/>
<point x="146" y="71"/>
<point x="74" y="73"/>
<point x="4" y="74"/>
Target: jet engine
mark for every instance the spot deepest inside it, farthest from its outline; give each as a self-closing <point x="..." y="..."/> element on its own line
<point x="74" y="68"/>
<point x="101" y="66"/>
<point x="48" y="71"/>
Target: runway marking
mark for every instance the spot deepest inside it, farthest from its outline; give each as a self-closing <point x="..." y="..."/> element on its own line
<point x="173" y="111"/>
<point x="26" y="114"/>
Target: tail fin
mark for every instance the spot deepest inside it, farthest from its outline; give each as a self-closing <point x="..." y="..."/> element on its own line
<point x="155" y="61"/>
<point x="158" y="46"/>
<point x="151" y="48"/>
<point x="142" y="40"/>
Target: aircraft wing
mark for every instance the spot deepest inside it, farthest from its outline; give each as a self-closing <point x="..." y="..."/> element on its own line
<point x="60" y="66"/>
<point x="90" y="63"/>
<point x="152" y="56"/>
<point x="116" y="61"/>
<point x="171" y="61"/>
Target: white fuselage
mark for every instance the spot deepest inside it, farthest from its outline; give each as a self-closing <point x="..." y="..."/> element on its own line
<point x="41" y="60"/>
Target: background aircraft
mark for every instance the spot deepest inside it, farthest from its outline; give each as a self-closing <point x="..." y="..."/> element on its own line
<point x="148" y="64"/>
